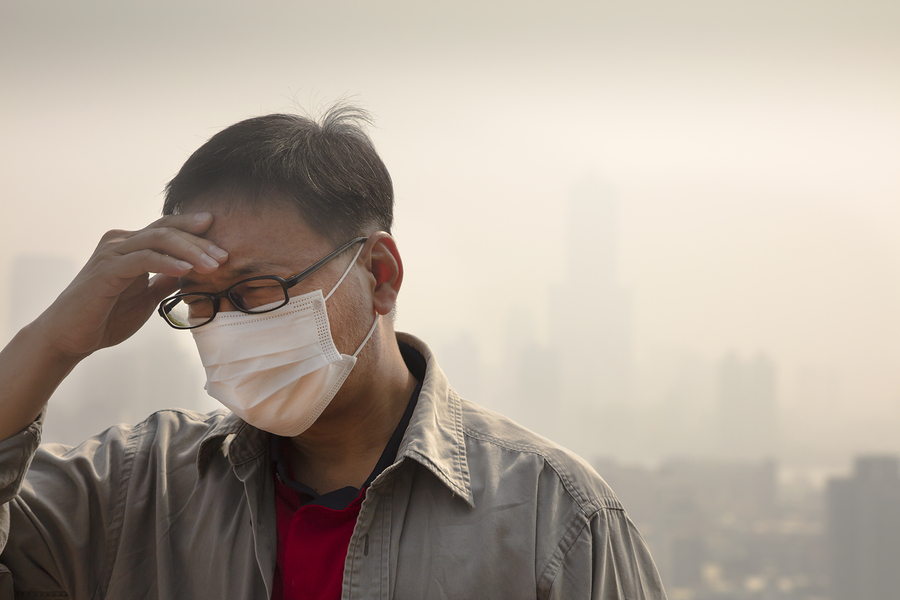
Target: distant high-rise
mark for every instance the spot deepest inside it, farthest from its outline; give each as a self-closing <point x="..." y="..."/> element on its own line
<point x="591" y="321"/>
<point x="747" y="407"/>
<point x="864" y="531"/>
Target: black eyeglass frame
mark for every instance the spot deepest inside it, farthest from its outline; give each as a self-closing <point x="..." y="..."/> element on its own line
<point x="286" y="284"/>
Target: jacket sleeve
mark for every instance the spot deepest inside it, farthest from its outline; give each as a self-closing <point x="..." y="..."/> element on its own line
<point x="16" y="454"/>
<point x="58" y="523"/>
<point x="607" y="560"/>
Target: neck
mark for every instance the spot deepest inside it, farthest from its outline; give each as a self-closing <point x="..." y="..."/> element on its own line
<point x="344" y="444"/>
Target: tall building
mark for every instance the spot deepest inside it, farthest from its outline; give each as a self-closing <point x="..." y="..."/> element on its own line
<point x="863" y="513"/>
<point x="591" y="323"/>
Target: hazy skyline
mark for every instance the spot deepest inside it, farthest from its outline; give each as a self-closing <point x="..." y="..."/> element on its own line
<point x="753" y="150"/>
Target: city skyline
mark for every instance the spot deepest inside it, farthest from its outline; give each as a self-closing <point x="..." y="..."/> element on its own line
<point x="751" y="150"/>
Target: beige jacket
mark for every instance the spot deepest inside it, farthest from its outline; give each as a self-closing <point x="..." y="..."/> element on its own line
<point x="182" y="506"/>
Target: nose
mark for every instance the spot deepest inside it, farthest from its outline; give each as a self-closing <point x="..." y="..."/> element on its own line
<point x="225" y="305"/>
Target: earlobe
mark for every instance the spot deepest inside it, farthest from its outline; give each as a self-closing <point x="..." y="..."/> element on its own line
<point x="387" y="271"/>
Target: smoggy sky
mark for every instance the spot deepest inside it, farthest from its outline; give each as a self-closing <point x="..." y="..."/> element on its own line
<point x="753" y="148"/>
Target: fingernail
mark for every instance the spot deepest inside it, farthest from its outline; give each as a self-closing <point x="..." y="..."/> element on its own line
<point x="202" y="216"/>
<point x="218" y="252"/>
<point x="209" y="261"/>
<point x="183" y="265"/>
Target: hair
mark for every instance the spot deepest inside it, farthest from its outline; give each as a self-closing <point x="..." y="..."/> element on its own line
<point x="328" y="169"/>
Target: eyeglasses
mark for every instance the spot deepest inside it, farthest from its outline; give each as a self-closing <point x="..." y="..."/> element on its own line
<point x="256" y="295"/>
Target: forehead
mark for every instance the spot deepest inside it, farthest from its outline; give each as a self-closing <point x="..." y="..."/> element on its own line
<point x="266" y="238"/>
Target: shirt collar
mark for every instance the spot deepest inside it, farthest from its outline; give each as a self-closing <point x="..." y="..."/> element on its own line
<point x="434" y="437"/>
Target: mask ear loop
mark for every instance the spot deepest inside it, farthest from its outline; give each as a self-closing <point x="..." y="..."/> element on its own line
<point x="374" y="323"/>
<point x="371" y="331"/>
<point x="352" y="262"/>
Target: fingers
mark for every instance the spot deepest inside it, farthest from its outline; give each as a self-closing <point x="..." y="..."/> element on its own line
<point x="195" y="223"/>
<point x="186" y="250"/>
<point x="170" y="245"/>
<point x="112" y="296"/>
<point x="117" y="273"/>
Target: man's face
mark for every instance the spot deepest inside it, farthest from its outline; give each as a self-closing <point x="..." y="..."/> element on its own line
<point x="273" y="239"/>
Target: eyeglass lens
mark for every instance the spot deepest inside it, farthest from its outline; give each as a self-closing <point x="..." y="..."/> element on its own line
<point x="258" y="295"/>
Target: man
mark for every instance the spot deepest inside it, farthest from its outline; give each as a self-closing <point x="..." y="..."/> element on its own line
<point x="347" y="466"/>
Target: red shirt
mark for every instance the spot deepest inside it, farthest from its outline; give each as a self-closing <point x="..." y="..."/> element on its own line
<point x="314" y="530"/>
<point x="312" y="545"/>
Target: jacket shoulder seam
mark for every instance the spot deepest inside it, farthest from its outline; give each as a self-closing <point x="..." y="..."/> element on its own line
<point x="584" y="503"/>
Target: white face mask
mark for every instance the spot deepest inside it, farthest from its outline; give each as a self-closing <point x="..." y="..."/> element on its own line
<point x="278" y="370"/>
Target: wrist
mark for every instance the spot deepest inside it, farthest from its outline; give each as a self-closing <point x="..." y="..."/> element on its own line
<point x="38" y="342"/>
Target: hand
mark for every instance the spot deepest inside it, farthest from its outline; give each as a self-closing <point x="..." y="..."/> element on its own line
<point x="113" y="295"/>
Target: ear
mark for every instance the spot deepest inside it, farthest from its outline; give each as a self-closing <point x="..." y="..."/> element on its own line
<point x="383" y="262"/>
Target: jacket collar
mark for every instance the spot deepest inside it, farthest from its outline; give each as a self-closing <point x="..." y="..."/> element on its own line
<point x="434" y="437"/>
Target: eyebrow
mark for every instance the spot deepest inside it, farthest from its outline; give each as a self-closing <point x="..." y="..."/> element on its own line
<point x="250" y="269"/>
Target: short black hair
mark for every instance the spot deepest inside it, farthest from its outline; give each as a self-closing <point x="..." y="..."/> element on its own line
<point x="329" y="169"/>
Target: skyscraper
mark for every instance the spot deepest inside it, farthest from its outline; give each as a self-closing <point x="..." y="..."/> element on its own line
<point x="591" y="322"/>
<point x="864" y="530"/>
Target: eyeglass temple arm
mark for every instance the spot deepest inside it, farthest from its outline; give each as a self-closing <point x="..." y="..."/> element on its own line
<point x="319" y="264"/>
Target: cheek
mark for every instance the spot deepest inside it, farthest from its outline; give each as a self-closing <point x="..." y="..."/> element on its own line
<point x="350" y="316"/>
<point x="316" y="281"/>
